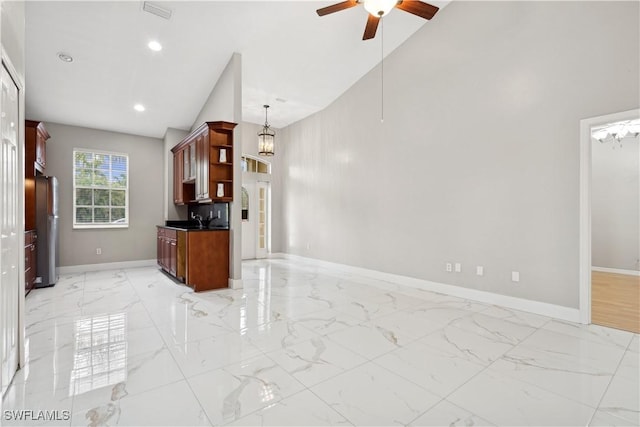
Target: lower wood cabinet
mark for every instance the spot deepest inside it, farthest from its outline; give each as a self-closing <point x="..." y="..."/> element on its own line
<point x="30" y="239"/>
<point x="168" y="250"/>
<point x="198" y="258"/>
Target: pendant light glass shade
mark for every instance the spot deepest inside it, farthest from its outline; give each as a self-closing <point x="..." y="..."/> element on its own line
<point x="266" y="138"/>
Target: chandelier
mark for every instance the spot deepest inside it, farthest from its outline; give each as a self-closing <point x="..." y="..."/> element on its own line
<point x="266" y="137"/>
<point x="616" y="132"/>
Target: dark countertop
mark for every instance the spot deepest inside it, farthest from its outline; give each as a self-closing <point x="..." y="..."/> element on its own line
<point x="191" y="226"/>
<point x="192" y="229"/>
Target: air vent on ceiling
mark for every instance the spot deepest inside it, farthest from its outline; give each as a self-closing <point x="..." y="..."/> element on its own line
<point x="154" y="9"/>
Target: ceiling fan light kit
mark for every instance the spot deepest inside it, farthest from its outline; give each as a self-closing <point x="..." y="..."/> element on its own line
<point x="379" y="8"/>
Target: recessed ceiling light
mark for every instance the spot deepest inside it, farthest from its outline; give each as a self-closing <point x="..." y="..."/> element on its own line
<point x="65" y="57"/>
<point x="139" y="107"/>
<point x="154" y="46"/>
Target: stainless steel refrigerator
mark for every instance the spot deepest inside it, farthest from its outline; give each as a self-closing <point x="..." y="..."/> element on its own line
<point x="47" y="230"/>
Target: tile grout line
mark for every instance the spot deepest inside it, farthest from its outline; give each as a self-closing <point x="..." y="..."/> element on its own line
<point x="73" y="399"/>
<point x="166" y="346"/>
<point x="485" y="368"/>
<point x="610" y="381"/>
<point x="305" y="277"/>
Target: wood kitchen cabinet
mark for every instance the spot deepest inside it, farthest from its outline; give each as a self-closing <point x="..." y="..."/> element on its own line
<point x="189" y="163"/>
<point x="206" y="156"/>
<point x="30" y="239"/>
<point x="178" y="164"/>
<point x="168" y="250"/>
<point x="36" y="139"/>
<point x="207" y="259"/>
<point x="202" y="167"/>
<point x="35" y="161"/>
<point x="198" y="258"/>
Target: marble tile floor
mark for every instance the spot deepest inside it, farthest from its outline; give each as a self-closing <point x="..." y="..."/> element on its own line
<point x="305" y="345"/>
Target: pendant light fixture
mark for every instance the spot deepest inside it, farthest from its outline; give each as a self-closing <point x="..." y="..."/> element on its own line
<point x="266" y="137"/>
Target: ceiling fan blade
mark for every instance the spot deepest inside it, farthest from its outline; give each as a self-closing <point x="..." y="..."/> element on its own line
<point x="371" y="28"/>
<point x="419" y="8"/>
<point x="337" y="7"/>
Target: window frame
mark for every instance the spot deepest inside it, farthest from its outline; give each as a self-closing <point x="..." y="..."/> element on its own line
<point x="80" y="226"/>
<point x="257" y="162"/>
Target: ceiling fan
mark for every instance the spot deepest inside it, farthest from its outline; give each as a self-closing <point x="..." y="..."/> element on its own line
<point x="379" y="8"/>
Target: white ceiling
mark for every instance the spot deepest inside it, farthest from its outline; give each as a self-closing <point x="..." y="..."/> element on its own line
<point x="288" y="52"/>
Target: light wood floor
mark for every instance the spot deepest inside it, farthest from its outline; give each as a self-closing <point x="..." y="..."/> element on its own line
<point x="615" y="301"/>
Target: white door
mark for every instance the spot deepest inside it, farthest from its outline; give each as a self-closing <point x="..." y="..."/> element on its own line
<point x="248" y="220"/>
<point x="262" y="204"/>
<point x="9" y="230"/>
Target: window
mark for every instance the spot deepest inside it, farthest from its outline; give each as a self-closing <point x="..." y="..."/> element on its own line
<point x="250" y="164"/>
<point x="101" y="189"/>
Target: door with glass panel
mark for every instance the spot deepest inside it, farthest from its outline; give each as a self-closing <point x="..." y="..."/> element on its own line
<point x="262" y="238"/>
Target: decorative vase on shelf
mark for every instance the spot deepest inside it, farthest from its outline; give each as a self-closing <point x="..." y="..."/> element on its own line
<point x="223" y="155"/>
<point x="220" y="192"/>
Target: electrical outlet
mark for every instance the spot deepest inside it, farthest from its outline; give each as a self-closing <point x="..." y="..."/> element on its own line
<point x="98" y="251"/>
<point x="515" y="276"/>
<point x="480" y="270"/>
<point x="449" y="267"/>
<point x="458" y="267"/>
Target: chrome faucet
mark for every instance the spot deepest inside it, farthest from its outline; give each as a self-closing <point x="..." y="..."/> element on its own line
<point x="198" y="218"/>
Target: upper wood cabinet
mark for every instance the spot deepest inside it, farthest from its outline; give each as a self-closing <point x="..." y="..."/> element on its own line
<point x="35" y="161"/>
<point x="189" y="163"/>
<point x="35" y="140"/>
<point x="206" y="159"/>
<point x="177" y="178"/>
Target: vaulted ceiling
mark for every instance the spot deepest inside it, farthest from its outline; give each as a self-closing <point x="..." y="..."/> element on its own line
<point x="292" y="59"/>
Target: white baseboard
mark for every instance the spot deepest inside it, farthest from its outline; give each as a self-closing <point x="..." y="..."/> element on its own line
<point x="536" y="307"/>
<point x="235" y="283"/>
<point x="616" y="271"/>
<point x="84" y="268"/>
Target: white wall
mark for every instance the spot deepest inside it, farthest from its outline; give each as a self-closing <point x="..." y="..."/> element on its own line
<point x="615" y="220"/>
<point x="171" y="138"/>
<point x="220" y="106"/>
<point x="225" y="104"/>
<point x="138" y="241"/>
<point x="250" y="147"/>
<point x="477" y="159"/>
<point x="13" y="33"/>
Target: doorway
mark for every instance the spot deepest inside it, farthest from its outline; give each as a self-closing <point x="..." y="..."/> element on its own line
<point x="10" y="229"/>
<point x="256" y="209"/>
<point x="610" y="221"/>
<point x="255" y="219"/>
